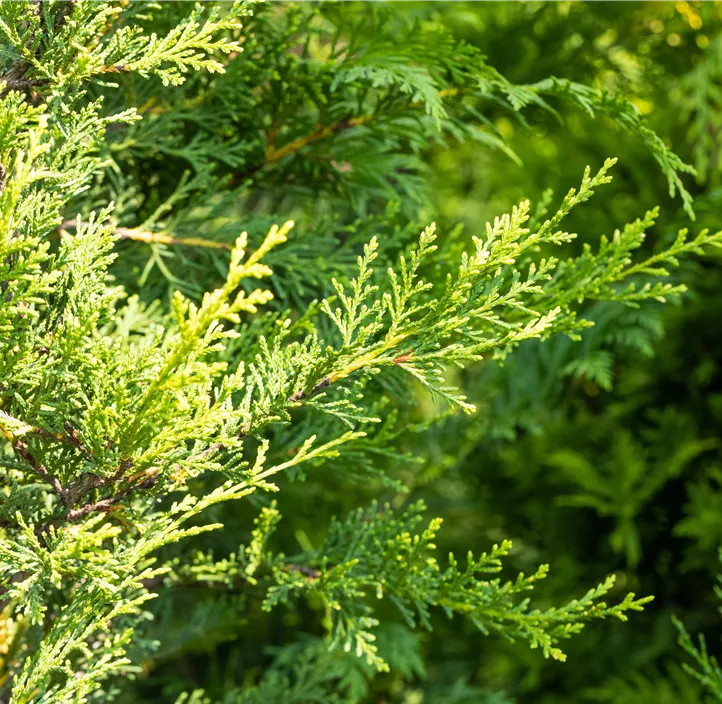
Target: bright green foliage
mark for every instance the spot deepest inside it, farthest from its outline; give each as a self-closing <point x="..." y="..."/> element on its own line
<point x="706" y="669"/>
<point x="373" y="552"/>
<point x="133" y="420"/>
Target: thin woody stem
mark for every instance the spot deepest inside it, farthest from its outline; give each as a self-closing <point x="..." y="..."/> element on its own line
<point x="12" y="428"/>
<point x="106" y="504"/>
<point x="22" y="450"/>
<point x="321" y="132"/>
<point x="150" y="237"/>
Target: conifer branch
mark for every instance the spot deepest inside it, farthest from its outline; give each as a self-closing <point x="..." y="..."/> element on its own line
<point x="321" y="132"/>
<point x="346" y="123"/>
<point x="151" y="237"/>
<point x="12" y="427"/>
<point x="103" y="505"/>
<point x="155" y="403"/>
<point x="22" y="450"/>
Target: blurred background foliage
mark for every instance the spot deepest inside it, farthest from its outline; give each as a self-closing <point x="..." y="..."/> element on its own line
<point x="611" y="462"/>
<point x="601" y="456"/>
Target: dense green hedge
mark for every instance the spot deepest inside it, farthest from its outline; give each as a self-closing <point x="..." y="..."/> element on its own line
<point x="598" y="456"/>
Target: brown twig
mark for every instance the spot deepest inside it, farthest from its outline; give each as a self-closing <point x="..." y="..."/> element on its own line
<point x="149" y="237"/>
<point x="63" y="14"/>
<point x="22" y="450"/>
<point x="15" y="78"/>
<point x="273" y="155"/>
<point x="246" y="429"/>
<point x="72" y="439"/>
<point x="88" y="481"/>
<point x="321" y="132"/>
<point x="308" y="572"/>
<point x="106" y="504"/>
<point x="117" y="68"/>
<point x="303" y="394"/>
